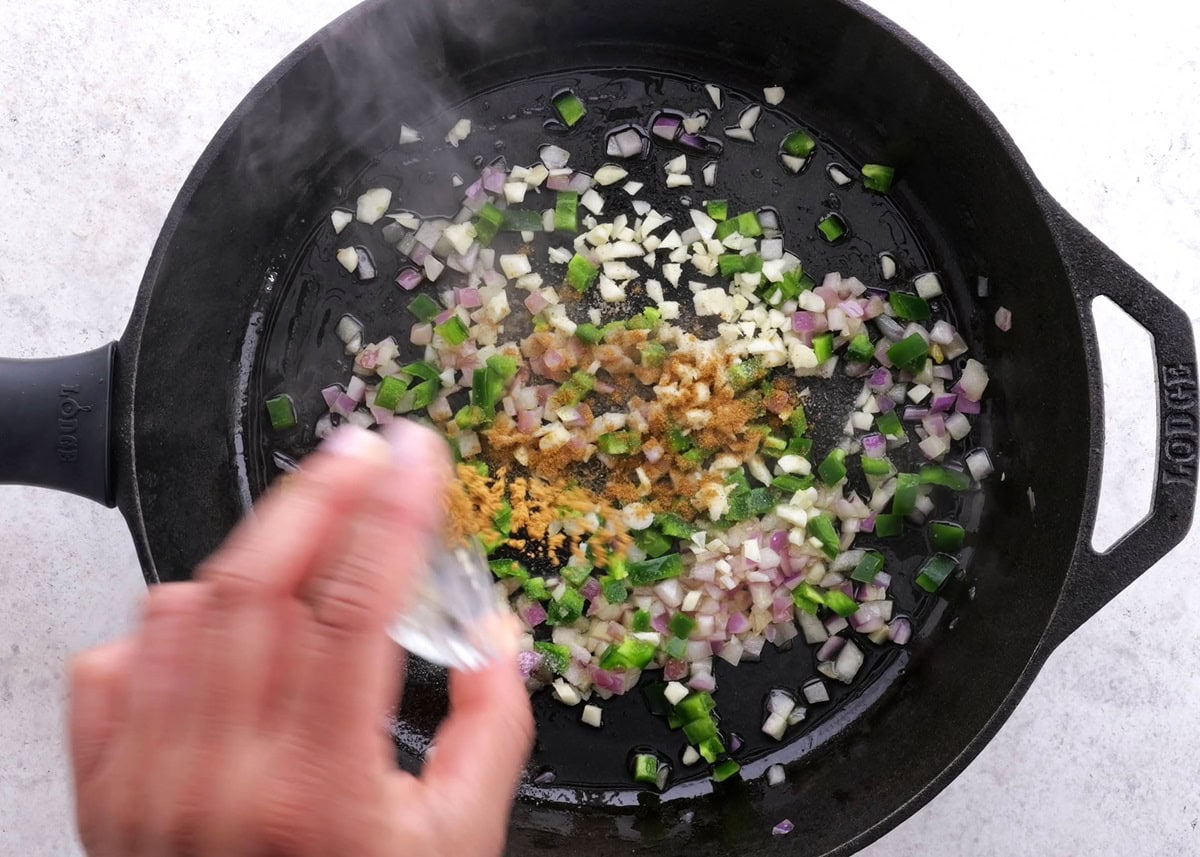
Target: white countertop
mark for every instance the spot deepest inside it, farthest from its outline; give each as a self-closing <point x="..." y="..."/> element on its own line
<point x="105" y="106"/>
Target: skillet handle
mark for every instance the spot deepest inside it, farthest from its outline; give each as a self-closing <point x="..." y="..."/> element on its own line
<point x="1095" y="578"/>
<point x="55" y="423"/>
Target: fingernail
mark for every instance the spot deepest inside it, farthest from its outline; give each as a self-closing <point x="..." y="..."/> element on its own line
<point x="353" y="441"/>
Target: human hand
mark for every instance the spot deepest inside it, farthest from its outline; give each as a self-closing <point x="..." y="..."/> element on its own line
<point x="245" y="716"/>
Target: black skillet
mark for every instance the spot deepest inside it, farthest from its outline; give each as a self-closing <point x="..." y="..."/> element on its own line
<point x="167" y="423"/>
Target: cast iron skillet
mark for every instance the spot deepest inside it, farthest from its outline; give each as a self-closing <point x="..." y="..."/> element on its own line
<point x="165" y="424"/>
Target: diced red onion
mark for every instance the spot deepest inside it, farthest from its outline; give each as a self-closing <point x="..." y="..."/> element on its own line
<point x="705" y="682"/>
<point x="330" y="394"/>
<point x="1004" y="319"/>
<point x="942" y="332"/>
<point x="965" y="405"/>
<point x="738" y="624"/>
<point x="344" y="406"/>
<point x="867" y="524"/>
<point x="422" y="334"/>
<point x="493" y="179"/>
<point x="935" y="424"/>
<point x="675" y="670"/>
<point x="554" y="157"/>
<point x="409" y="278"/>
<point x="942" y="402"/>
<point x="831" y="648"/>
<point x="752" y="648"/>
<point x="468" y="298"/>
<point x="419" y="254"/>
<point x="534" y="614"/>
<point x="443" y="316"/>
<point x="558" y="183"/>
<point x="835" y="624"/>
<point x="979" y="463"/>
<point x="554" y="360"/>
<point x="579" y="182"/>
<point x="849" y="662"/>
<point x="783" y="828"/>
<point x="529" y="662"/>
<point x="625" y="143"/>
<point x="866" y="619"/>
<point x="874" y="446"/>
<point x="901" y="630"/>
<point x="590" y="589"/>
<point x="890" y="328"/>
<point x="666" y="126"/>
<point x="356" y="389"/>
<point x="915" y="415"/>
<point x="804" y="321"/>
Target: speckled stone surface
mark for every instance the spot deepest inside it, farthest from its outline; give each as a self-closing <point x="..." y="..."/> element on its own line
<point x="104" y="106"/>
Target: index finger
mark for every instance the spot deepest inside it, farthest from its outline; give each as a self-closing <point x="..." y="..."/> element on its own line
<point x="483" y="745"/>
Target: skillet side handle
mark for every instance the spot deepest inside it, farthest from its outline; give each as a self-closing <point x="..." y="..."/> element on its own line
<point x="1095" y="578"/>
<point x="56" y="420"/>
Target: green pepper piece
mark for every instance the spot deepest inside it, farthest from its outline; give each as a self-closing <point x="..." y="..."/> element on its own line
<point x="619" y="442"/>
<point x="570" y="108"/>
<point x="576" y="574"/>
<point x="655" y="695"/>
<point x="508" y="568"/>
<point x="566" y="609"/>
<point x="653" y="354"/>
<point x="651" y="571"/>
<point x="676" y="648"/>
<point x="861" y="349"/>
<point x="947" y="477"/>
<point x="421" y="369"/>
<point x="878" y="178"/>
<point x="521" y="220"/>
<point x="840" y="603"/>
<point x="424" y="308"/>
<point x="789" y="484"/>
<point x="682" y="625"/>
<point x="557" y="657"/>
<point x="566" y="211"/>
<point x="909" y="307"/>
<point x="651" y="541"/>
<point x="613" y="589"/>
<point x="823" y="346"/>
<point x="699" y="730"/>
<point x="589" y="333"/>
<point x="946" y="536"/>
<point x="711" y="749"/>
<point x="822" y="528"/>
<point x="581" y="273"/>
<point x="869" y="566"/>
<point x="452" y="330"/>
<point x="905" y="499"/>
<point x="641" y="621"/>
<point x="695" y="706"/>
<point x="535" y="588"/>
<point x="281" y="412"/>
<point x="673" y="526"/>
<point x="724" y="770"/>
<point x="645" y="768"/>
<point x="630" y="654"/>
<point x="832" y="227"/>
<point x="909" y="353"/>
<point x="717" y="209"/>
<point x="389" y="391"/>
<point x="799" y="144"/>
<point x="833" y="469"/>
<point x="888" y="526"/>
<point x="742" y="376"/>
<point x="487" y="224"/>
<point x="935" y="571"/>
<point x="889" y="424"/>
<point x="876" y="466"/>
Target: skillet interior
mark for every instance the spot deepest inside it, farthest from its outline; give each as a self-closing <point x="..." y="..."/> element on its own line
<point x="296" y="148"/>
